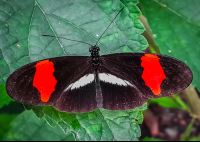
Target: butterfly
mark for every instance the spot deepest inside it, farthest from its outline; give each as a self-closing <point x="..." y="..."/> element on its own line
<point x="77" y="84"/>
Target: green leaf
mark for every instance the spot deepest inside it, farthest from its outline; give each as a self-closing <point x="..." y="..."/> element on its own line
<point x="24" y="22"/>
<point x="180" y="102"/>
<point x="168" y="102"/>
<point x="27" y="127"/>
<point x="4" y="98"/>
<point x="175" y="26"/>
<point x="98" y="125"/>
<point x="194" y="139"/>
<point x="36" y="109"/>
<point x="151" y="139"/>
<point x="5" y="120"/>
<point x="186" y="135"/>
<point x="165" y="102"/>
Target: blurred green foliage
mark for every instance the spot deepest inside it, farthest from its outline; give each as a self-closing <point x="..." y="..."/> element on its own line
<point x="151" y="139"/>
<point x="5" y="120"/>
<point x="175" y="29"/>
<point x="4" y="98"/>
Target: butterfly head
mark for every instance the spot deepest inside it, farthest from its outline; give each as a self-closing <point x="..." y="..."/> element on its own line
<point x="94" y="50"/>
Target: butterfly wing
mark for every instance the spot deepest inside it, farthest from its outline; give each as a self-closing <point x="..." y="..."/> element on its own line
<point x="140" y="77"/>
<point x="125" y="80"/>
<point x="48" y="82"/>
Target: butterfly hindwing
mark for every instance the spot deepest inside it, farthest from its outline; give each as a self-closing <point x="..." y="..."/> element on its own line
<point x="137" y="69"/>
<point x="81" y="99"/>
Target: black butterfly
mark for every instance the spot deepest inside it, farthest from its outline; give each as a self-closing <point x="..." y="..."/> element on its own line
<point x="114" y="82"/>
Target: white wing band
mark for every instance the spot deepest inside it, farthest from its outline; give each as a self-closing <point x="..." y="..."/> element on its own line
<point x="105" y="77"/>
<point x="86" y="79"/>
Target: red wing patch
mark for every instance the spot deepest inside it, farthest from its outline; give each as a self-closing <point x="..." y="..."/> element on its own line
<point x="153" y="73"/>
<point x="44" y="80"/>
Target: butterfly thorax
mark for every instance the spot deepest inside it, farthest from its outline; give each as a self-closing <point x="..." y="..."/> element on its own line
<point x="94" y="50"/>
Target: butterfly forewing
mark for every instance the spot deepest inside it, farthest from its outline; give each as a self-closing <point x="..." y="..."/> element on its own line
<point x="173" y="76"/>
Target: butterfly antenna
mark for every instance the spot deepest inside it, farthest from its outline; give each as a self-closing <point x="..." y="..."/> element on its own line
<point x="67" y="39"/>
<point x="109" y="25"/>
